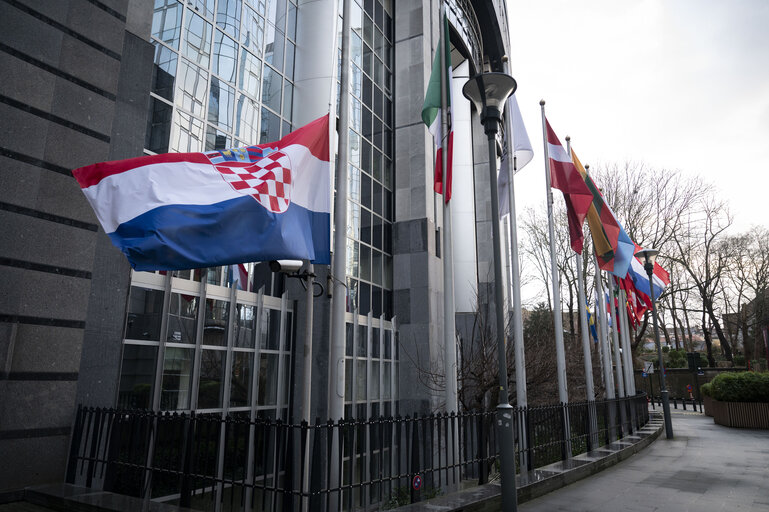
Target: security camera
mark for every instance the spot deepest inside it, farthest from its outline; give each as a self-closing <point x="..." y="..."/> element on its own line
<point x="286" y="266"/>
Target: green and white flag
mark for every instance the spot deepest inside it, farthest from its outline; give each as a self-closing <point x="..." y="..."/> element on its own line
<point x="431" y="112"/>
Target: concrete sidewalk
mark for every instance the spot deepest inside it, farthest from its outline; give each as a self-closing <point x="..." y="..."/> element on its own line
<point x="706" y="467"/>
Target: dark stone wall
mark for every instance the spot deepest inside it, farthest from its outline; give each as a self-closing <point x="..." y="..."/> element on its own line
<point x="73" y="91"/>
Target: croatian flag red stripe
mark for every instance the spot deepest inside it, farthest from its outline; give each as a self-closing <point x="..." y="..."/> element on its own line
<point x="190" y="210"/>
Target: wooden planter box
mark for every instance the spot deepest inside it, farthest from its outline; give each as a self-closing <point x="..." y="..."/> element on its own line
<point x="707" y="402"/>
<point x="740" y="414"/>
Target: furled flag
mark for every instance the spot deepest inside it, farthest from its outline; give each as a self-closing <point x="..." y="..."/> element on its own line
<point x="636" y="300"/>
<point x="613" y="247"/>
<point x="660" y="278"/>
<point x="522" y="154"/>
<point x="565" y="177"/>
<point x="238" y="276"/>
<point x="431" y="113"/>
<point x="591" y="323"/>
<point x="188" y="210"/>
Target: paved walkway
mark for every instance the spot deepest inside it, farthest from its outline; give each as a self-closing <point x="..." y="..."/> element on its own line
<point x="705" y="468"/>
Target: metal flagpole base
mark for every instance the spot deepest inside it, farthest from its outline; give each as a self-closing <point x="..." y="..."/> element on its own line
<point x="505" y="422"/>
<point x="666" y="413"/>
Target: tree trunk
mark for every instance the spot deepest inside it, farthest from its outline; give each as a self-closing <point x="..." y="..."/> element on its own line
<point x="689" y="331"/>
<point x="719" y="332"/>
<point x="675" y="319"/>
<point x="708" y="341"/>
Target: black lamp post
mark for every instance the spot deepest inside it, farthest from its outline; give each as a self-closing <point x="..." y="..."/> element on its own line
<point x="488" y="92"/>
<point x="648" y="256"/>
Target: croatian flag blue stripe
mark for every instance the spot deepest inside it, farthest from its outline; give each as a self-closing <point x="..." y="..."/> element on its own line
<point x="179" y="211"/>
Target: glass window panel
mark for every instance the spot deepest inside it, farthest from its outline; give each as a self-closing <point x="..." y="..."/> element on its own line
<point x="362" y="343"/>
<point x="182" y="318"/>
<point x="145" y="313"/>
<point x="240" y="379"/>
<point x="365" y="226"/>
<point x="204" y="7"/>
<point x="368" y="60"/>
<point x="291" y="21"/>
<point x="355" y="17"/>
<point x="191" y="87"/>
<point x="245" y="327"/>
<point x="368" y="30"/>
<point x="182" y="274"/>
<point x="354" y="143"/>
<point x="378" y="102"/>
<point x="249" y="78"/>
<point x="366" y="123"/>
<point x="225" y="57"/>
<point x="197" y="37"/>
<point x="353" y="219"/>
<point x="365" y="266"/>
<point x="387" y="111"/>
<point x="387" y="272"/>
<point x="137" y="376"/>
<point x="271" y="88"/>
<point x="356" y="49"/>
<point x="274" y="42"/>
<point x="388" y="173"/>
<point x="387" y="345"/>
<point x="376" y="267"/>
<point x="221" y="99"/>
<point x="355" y="113"/>
<point x="348" y="339"/>
<point x="253" y="31"/>
<point x="270" y="127"/>
<point x="374" y="379"/>
<point x="286" y="379"/>
<point x="275" y="11"/>
<point x="270" y="331"/>
<point x="189" y="133"/>
<point x="268" y="379"/>
<point x="379" y="44"/>
<point x="285" y="128"/>
<point x="288" y="100"/>
<point x="386" y="380"/>
<point x="246" y="120"/>
<point x="352" y="259"/>
<point x="228" y="16"/>
<point x="376" y="168"/>
<point x="216" y="322"/>
<point x="167" y="22"/>
<point x="365" y="298"/>
<point x="387" y="234"/>
<point x="369" y="6"/>
<point x="360" y="381"/>
<point x="376" y="301"/>
<point x="164" y="72"/>
<point x="290" y="56"/>
<point x="216" y="139"/>
<point x="214" y="275"/>
<point x="387" y="303"/>
<point x="377" y="203"/>
<point x="210" y="389"/>
<point x="378" y="132"/>
<point x="365" y="159"/>
<point x="375" y="342"/>
<point x="352" y="292"/>
<point x="177" y="373"/>
<point x="365" y="190"/>
<point x="348" y="380"/>
<point x="289" y="330"/>
<point x="158" y="126"/>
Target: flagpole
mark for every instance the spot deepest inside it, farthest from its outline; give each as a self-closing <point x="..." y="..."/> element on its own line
<point x="608" y="377"/>
<point x="626" y="350"/>
<point x="560" y="355"/>
<point x="337" y="343"/>
<point x="617" y="354"/>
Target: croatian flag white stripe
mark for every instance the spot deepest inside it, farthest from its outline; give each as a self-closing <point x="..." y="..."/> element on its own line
<point x="641" y="279"/>
<point x="139" y="190"/>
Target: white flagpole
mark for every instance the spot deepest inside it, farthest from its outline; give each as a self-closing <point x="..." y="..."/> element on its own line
<point x="560" y="355"/>
<point x="608" y="376"/>
<point x="626" y="350"/>
<point x="617" y="354"/>
<point x="449" y="320"/>
<point x="338" y="273"/>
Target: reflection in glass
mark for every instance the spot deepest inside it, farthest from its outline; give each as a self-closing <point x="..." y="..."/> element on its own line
<point x="198" y="40"/>
<point x="270" y="127"/>
<point x="177" y="372"/>
<point x="189" y="133"/>
<point x="137" y="375"/>
<point x="268" y="379"/>
<point x="273" y="47"/>
<point x="210" y="387"/>
<point x="253" y="31"/>
<point x="167" y="22"/>
<point x="269" y="332"/>
<point x="164" y="72"/>
<point x="288" y="101"/>
<point x="240" y="379"/>
<point x="271" y="88"/>
<point x="225" y="56"/>
<point x="360" y="381"/>
<point x="145" y="313"/>
<point x="221" y="99"/>
<point x="249" y="78"/>
<point x="158" y="126"/>
<point x="204" y="7"/>
<point x="216" y="139"/>
<point x="182" y="318"/>
<point x="191" y="87"/>
<point x="246" y="121"/>
<point x="228" y="16"/>
<point x="215" y="322"/>
<point x="245" y="326"/>
<point x="290" y="51"/>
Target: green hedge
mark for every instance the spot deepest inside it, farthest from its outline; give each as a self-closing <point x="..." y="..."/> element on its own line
<point x="739" y="387"/>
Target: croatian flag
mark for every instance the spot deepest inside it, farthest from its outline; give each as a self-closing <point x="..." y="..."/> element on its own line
<point x="189" y="210"/>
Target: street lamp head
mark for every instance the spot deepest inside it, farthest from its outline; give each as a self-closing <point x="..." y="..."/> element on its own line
<point x="648" y="256"/>
<point x="488" y="92"/>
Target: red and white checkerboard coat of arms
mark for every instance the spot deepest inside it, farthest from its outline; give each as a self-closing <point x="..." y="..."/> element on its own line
<point x="267" y="179"/>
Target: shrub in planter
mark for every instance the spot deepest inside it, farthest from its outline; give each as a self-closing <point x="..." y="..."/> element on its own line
<point x="707" y="389"/>
<point x="739" y="387"/>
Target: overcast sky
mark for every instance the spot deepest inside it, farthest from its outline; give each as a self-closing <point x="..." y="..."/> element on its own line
<point x="676" y="84"/>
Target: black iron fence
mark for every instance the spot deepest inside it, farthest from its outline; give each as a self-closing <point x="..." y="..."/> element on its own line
<point x="237" y="463"/>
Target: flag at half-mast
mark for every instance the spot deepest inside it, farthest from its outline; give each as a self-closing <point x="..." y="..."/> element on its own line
<point x="565" y="177"/>
<point x="522" y="154"/>
<point x="613" y="247"/>
<point x="190" y="210"/>
<point x="431" y="112"/>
